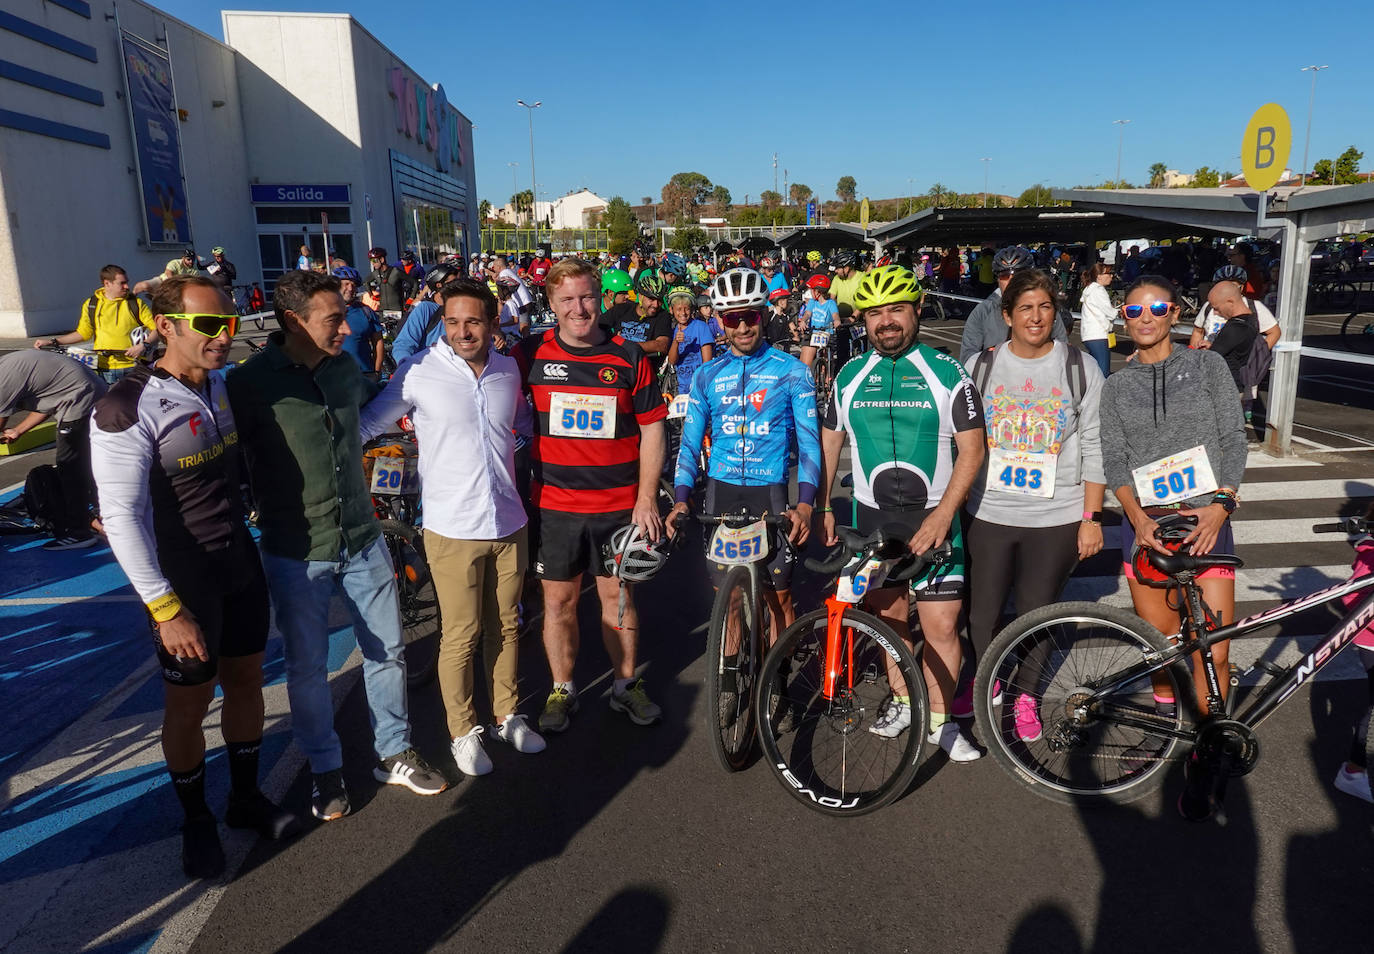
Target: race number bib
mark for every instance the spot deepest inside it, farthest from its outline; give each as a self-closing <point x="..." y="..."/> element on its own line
<point x="1021" y="472"/>
<point x="819" y="339"/>
<point x="582" y="415"/>
<point x="735" y="545"/>
<point x="88" y="358"/>
<point x="1174" y="478"/>
<point x="677" y="407"/>
<point x="394" y="475"/>
<point x="851" y="587"/>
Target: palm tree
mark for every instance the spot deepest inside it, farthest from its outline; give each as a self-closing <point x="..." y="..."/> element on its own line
<point x="936" y="192"/>
<point x="1157" y="173"/>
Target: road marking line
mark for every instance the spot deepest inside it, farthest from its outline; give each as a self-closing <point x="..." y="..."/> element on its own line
<point x="1248" y="532"/>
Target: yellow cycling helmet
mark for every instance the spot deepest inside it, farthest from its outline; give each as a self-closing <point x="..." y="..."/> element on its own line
<point x="813" y="256"/>
<point x="885" y="285"/>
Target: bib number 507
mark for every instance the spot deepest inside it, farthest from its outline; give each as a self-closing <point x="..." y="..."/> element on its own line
<point x="583" y="420"/>
<point x="1175" y="482"/>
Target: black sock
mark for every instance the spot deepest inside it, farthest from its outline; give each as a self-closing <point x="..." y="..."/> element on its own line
<point x="190" y="789"/>
<point x="243" y="766"/>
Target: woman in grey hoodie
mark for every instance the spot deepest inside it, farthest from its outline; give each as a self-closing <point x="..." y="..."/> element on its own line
<point x="1173" y="441"/>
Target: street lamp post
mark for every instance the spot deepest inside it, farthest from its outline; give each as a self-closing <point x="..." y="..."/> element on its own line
<point x="534" y="189"/>
<point x="985" y="160"/>
<point x="1311" y="99"/>
<point x="1120" y="141"/>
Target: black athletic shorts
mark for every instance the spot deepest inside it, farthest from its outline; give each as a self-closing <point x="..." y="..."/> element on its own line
<point x="727" y="498"/>
<point x="947" y="581"/>
<point x="226" y="592"/>
<point x="569" y="544"/>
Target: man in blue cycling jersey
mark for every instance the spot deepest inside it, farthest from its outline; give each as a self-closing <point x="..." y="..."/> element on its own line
<point x="425" y="323"/>
<point x="757" y="401"/>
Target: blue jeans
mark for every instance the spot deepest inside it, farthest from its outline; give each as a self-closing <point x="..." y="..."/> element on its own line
<point x="301" y="592"/>
<point x="1101" y="354"/>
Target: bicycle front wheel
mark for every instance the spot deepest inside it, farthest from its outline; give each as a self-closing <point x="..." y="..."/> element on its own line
<point x="420" y="622"/>
<point x="1052" y="731"/>
<point x="734" y="655"/>
<point x="824" y="751"/>
<point x="1357" y="333"/>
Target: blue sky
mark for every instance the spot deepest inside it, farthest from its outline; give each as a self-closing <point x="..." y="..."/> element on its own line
<point x="889" y="91"/>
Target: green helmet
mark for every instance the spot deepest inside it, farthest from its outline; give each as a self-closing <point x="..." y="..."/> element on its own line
<point x="650" y="284"/>
<point x="885" y="285"/>
<point x="679" y="291"/>
<point x="616" y="280"/>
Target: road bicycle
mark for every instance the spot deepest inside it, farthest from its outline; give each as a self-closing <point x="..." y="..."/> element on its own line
<point x="96" y="359"/>
<point x="821" y="369"/>
<point x="1087" y="668"/>
<point x="829" y="676"/>
<point x="395" y="487"/>
<point x="1331" y="291"/>
<point x="1357" y="332"/>
<point x="740" y="630"/>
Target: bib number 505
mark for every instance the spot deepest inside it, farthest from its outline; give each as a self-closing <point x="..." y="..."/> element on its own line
<point x="583" y="420"/>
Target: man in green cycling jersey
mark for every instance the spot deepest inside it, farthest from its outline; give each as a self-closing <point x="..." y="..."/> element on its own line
<point x="914" y="421"/>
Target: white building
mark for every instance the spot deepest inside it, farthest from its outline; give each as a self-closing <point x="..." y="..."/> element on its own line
<point x="297" y="127"/>
<point x="572" y="211"/>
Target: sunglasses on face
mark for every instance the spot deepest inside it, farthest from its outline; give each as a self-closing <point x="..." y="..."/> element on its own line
<point x="1006" y="273"/>
<point x="734" y="319"/>
<point x="209" y="325"/>
<point x="1157" y="308"/>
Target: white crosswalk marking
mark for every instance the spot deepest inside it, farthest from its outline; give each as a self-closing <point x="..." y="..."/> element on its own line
<point x="1284" y="530"/>
<point x="1271" y="585"/>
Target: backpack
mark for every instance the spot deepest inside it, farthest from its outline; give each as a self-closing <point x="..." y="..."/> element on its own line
<point x="130" y="301"/>
<point x="43" y="497"/>
<point x="1073" y="370"/>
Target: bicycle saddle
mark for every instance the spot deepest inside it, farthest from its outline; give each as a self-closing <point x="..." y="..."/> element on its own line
<point x="1176" y="563"/>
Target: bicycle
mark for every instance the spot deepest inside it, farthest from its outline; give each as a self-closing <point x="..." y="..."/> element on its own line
<point x="739" y="631"/>
<point x="829" y="676"/>
<point x="1332" y="291"/>
<point x="1102" y="738"/>
<point x="96" y="359"/>
<point x="821" y="371"/>
<point x="1357" y="332"/>
<point x="394" y="484"/>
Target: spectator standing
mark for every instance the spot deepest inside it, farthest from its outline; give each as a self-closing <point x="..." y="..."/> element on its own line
<point x="112" y="319"/>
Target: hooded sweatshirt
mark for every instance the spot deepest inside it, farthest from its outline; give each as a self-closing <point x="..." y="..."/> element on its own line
<point x="1150" y="411"/>
<point x="986" y="328"/>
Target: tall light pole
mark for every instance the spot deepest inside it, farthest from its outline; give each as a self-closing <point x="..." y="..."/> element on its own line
<point x="514" y="187"/>
<point x="1120" y="141"/>
<point x="775" y="172"/>
<point x="534" y="189"/>
<point x="1311" y="99"/>
<point x="985" y="160"/>
<point x="910" y="195"/>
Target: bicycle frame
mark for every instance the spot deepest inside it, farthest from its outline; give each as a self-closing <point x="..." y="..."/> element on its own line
<point x="849" y="591"/>
<point x="1286" y="682"/>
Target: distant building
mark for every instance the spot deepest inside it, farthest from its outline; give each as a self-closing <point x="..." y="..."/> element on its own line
<point x="1173" y="179"/>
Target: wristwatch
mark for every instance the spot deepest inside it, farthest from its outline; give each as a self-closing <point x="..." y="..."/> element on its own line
<point x="1227" y="501"/>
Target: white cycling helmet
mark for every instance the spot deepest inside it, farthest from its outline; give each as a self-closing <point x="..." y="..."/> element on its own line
<point x="631" y="558"/>
<point x="738" y="288"/>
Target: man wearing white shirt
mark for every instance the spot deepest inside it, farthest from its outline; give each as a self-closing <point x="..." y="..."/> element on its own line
<point x="467" y="404"/>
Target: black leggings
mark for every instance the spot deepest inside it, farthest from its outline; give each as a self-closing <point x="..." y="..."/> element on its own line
<point x="1034" y="562"/>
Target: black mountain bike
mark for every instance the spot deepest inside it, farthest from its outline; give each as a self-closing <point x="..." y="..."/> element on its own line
<point x="1086" y="668"/>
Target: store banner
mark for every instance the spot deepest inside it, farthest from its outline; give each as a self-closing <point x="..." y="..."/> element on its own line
<point x="157" y="142"/>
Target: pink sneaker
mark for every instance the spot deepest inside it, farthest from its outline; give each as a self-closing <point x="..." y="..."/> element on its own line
<point x="1028" y="726"/>
<point x="962" y="707"/>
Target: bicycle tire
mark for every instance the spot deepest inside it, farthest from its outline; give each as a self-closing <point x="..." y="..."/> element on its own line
<point x="1357" y="333"/>
<point x="1341" y="295"/>
<point x="1076" y="762"/>
<point x="934" y="309"/>
<point x="730" y="722"/>
<point x="421" y="623"/>
<point x="796" y="725"/>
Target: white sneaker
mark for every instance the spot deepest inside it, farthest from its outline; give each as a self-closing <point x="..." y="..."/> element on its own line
<point x="516" y="732"/>
<point x="949" y="738"/>
<point x="1354" y="783"/>
<point x="892" y="721"/>
<point x="469" y="755"/>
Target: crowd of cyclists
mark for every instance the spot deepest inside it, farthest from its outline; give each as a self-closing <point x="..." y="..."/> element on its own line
<point x="551" y="399"/>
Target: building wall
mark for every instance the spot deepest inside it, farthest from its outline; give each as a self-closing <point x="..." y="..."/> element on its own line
<point x="67" y="208"/>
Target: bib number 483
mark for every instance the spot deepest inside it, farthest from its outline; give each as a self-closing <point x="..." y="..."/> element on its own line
<point x="1021" y="477"/>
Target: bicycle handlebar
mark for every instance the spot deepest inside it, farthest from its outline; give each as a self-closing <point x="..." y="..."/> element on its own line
<point x="853" y="544"/>
<point x="1350" y="525"/>
<point x="739" y="519"/>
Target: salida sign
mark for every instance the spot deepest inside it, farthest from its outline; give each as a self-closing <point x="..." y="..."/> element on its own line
<point x="424" y="115"/>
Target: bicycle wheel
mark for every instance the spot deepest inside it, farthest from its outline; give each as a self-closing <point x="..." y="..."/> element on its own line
<point x="821" y="749"/>
<point x="821" y="374"/>
<point x="1085" y="750"/>
<point x="734" y="653"/>
<point x="934" y="309"/>
<point x="1357" y="333"/>
<point x="420" y="621"/>
<point x="1341" y="295"/>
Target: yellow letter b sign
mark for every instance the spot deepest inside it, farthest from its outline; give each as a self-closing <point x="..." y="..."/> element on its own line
<point x="1264" y="152"/>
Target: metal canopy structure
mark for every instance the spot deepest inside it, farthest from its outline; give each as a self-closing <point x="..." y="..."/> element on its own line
<point x="1060" y="225"/>
<point x="1299" y="217"/>
<point x="839" y="235"/>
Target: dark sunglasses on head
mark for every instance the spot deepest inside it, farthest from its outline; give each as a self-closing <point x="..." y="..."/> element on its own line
<point x="209" y="325"/>
<point x="1157" y="308"/>
<point x="734" y="319"/>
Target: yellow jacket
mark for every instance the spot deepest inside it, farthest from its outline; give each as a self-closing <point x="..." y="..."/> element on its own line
<point x="111" y="324"/>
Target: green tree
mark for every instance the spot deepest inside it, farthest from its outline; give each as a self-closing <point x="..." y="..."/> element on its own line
<point x="683" y="195"/>
<point x="769" y="199"/>
<point x="1348" y="167"/>
<point x="1034" y="196"/>
<point x="720" y="201"/>
<point x="846" y="188"/>
<point x="1157" y="173"/>
<point x="522" y="202"/>
<point x="1323" y="170"/>
<point x="1206" y="178"/>
<point x="483" y="210"/>
<point x="688" y="238"/>
<point x="937" y="192"/>
<point x="622" y="227"/>
<point x="799" y="194"/>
